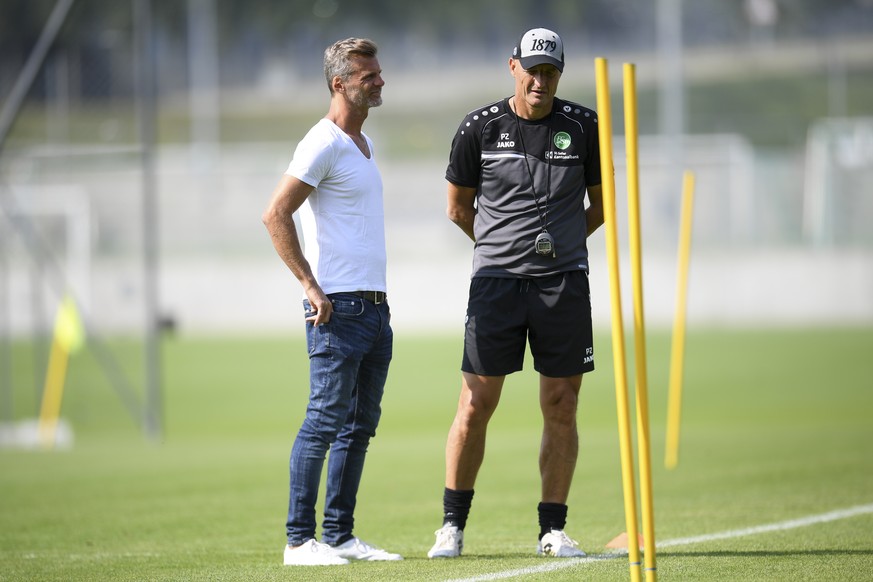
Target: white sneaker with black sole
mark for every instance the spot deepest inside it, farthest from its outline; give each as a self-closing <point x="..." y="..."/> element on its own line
<point x="358" y="549"/>
<point x="557" y="544"/>
<point x="449" y="543"/>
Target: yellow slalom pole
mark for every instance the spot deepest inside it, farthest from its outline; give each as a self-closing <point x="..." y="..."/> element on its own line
<point x="68" y="337"/>
<point x="674" y="401"/>
<point x="631" y="133"/>
<point x="624" y="428"/>
<point x="52" y="394"/>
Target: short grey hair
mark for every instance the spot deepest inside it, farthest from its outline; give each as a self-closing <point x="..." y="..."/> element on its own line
<point x="338" y="57"/>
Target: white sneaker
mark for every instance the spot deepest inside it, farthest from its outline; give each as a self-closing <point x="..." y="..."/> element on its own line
<point x="449" y="543"/>
<point x="312" y="553"/>
<point x="358" y="549"/>
<point x="557" y="544"/>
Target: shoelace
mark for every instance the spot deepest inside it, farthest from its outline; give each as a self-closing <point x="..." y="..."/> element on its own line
<point x="363" y="547"/>
<point x="444" y="536"/>
<point x="565" y="539"/>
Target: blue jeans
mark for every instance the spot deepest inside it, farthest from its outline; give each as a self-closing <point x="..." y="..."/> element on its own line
<point x="348" y="366"/>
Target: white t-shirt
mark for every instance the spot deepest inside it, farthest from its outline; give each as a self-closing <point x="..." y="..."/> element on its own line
<point x="343" y="219"/>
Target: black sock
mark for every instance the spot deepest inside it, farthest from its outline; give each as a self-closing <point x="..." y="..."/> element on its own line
<point x="552" y="516"/>
<point x="456" y="507"/>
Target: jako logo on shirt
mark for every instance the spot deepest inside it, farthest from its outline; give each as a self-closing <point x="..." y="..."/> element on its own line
<point x="562" y="140"/>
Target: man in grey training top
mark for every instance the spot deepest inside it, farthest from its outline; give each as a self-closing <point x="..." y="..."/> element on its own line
<point x="518" y="173"/>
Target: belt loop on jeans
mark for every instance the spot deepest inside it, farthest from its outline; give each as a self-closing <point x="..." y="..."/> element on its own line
<point x="375" y="297"/>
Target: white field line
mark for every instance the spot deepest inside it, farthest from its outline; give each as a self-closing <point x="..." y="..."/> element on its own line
<point x="729" y="534"/>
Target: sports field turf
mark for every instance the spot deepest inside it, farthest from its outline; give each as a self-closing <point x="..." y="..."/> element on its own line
<point x="777" y="426"/>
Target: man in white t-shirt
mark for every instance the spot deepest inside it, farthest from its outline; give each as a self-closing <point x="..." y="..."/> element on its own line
<point x="334" y="182"/>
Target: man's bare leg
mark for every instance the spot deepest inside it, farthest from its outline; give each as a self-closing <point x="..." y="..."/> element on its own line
<point x="560" y="444"/>
<point x="465" y="447"/>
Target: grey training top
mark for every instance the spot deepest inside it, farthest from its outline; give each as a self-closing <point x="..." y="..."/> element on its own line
<point x="549" y="165"/>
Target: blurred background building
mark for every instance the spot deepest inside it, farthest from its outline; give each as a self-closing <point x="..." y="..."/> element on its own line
<point x="135" y="166"/>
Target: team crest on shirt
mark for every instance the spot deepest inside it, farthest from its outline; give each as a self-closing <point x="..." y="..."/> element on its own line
<point x="562" y="142"/>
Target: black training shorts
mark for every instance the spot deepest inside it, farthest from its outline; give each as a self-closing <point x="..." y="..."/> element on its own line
<point x="553" y="313"/>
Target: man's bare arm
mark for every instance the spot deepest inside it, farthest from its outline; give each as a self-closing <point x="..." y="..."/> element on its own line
<point x="461" y="208"/>
<point x="288" y="196"/>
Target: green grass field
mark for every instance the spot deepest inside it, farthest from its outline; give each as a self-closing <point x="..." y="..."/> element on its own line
<point x="776" y="426"/>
